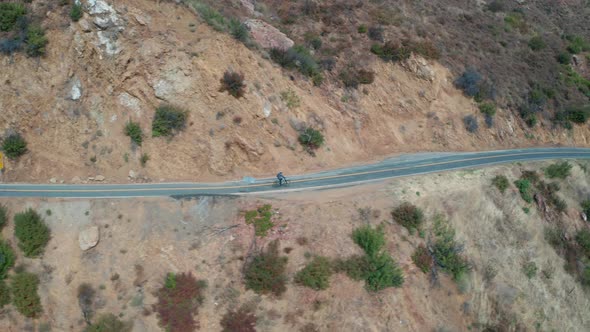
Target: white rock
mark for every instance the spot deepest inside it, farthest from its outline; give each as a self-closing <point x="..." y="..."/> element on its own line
<point x="53" y="180"/>
<point x="88" y="238"/>
<point x="84" y="25"/>
<point x="76" y="91"/>
<point x="129" y="101"/>
<point x="99" y="178"/>
<point x="132" y="174"/>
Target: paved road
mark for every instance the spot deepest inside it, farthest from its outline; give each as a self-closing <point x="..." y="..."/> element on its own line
<point x="404" y="165"/>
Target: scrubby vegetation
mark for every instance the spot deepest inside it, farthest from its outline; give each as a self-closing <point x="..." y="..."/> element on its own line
<point x="316" y="274"/>
<point x="377" y="268"/>
<point x="265" y="273"/>
<point x="392" y="51"/>
<point x="530" y="269"/>
<point x="261" y="219"/>
<point x="76" y="12"/>
<point x="470" y="123"/>
<point x="10" y="12"/>
<point x="241" y="320"/>
<point x="524" y="187"/>
<point x="109" y="323"/>
<point x="501" y="182"/>
<point x="36" y="41"/>
<point x="168" y="120"/>
<point x="133" y="130"/>
<point x="559" y="170"/>
<point x="537" y="43"/>
<point x="85" y="301"/>
<point x="291" y="99"/>
<point x="4" y="294"/>
<point x="239" y="31"/>
<point x="6" y="259"/>
<point x="446" y="251"/>
<point x="3" y="216"/>
<point x="311" y="138"/>
<point x="409" y="216"/>
<point x="31" y="232"/>
<point x="178" y="302"/>
<point x="23" y="286"/>
<point x="352" y="76"/>
<point x="421" y="257"/>
<point x="233" y="83"/>
<point x="14" y="146"/>
<point x="298" y="57"/>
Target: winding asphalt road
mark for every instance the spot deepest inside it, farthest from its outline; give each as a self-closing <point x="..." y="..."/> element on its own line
<point x="405" y="165"/>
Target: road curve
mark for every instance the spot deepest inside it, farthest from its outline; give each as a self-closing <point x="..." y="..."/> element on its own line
<point x="405" y="165"/>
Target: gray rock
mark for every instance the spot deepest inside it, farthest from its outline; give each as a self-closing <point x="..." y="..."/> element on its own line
<point x="99" y="178"/>
<point x="76" y="89"/>
<point x="84" y="25"/>
<point x="268" y="36"/>
<point x="132" y="174"/>
<point x="88" y="238"/>
<point x="53" y="180"/>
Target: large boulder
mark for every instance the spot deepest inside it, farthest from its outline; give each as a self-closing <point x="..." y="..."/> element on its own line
<point x="88" y="238"/>
<point x="420" y="67"/>
<point x="268" y="36"/>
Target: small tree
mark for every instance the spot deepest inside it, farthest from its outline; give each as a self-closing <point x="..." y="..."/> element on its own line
<point x="168" y="120"/>
<point x="266" y="272"/>
<point x="133" y="130"/>
<point x="409" y="216"/>
<point x="422" y="259"/>
<point x="316" y="274"/>
<point x="31" y="232"/>
<point x="371" y="240"/>
<point x="501" y="182"/>
<point x="559" y="170"/>
<point x="446" y="251"/>
<point x="537" y="43"/>
<point x="241" y="320"/>
<point x="36" y="41"/>
<point x="14" y="146"/>
<point x="6" y="259"/>
<point x="471" y="124"/>
<point x="524" y="187"/>
<point x="24" y="294"/>
<point x="76" y="12"/>
<point x="10" y="12"/>
<point x="233" y="83"/>
<point x="178" y="302"/>
<point x="311" y="138"/>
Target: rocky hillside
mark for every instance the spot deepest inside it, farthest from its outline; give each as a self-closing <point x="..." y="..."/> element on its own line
<point x="115" y="62"/>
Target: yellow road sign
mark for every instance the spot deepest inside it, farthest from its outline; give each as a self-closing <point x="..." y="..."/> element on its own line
<point x="1" y="161"/>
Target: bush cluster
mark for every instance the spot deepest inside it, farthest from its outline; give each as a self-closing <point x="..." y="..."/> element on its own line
<point x="291" y="99"/>
<point x="316" y="274"/>
<point x="470" y="123"/>
<point x="409" y="216"/>
<point x="261" y="219"/>
<point x="266" y="272"/>
<point x="446" y="250"/>
<point x="4" y="294"/>
<point x="31" y="232"/>
<point x="422" y="259"/>
<point x="25" y="298"/>
<point x="537" y="43"/>
<point x="233" y="83"/>
<point x="487" y="108"/>
<point x="14" y="146"/>
<point x="311" y="138"/>
<point x="577" y="44"/>
<point x="3" y="216"/>
<point x="375" y="33"/>
<point x="559" y="170"/>
<point x="239" y="31"/>
<point x="133" y="130"/>
<point x="178" y="302"/>
<point x="168" y="120"/>
<point x="6" y="259"/>
<point x="76" y="12"/>
<point x="241" y="320"/>
<point x="36" y="41"/>
<point x="393" y="51"/>
<point x="525" y="189"/>
<point x="298" y="57"/>
<point x="10" y="12"/>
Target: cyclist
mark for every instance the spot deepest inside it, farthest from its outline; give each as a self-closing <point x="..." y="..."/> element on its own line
<point x="281" y="178"/>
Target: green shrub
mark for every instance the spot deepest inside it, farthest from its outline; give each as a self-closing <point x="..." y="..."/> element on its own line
<point x="210" y="15"/>
<point x="391" y="51"/>
<point x="168" y="120"/>
<point x="537" y="43"/>
<point x="564" y="58"/>
<point x="352" y="76"/>
<point x="501" y="182"/>
<point x="266" y="272"/>
<point x="297" y="57"/>
<point x="178" y="303"/>
<point x="6" y="259"/>
<point x="291" y="99"/>
<point x="133" y="130"/>
<point x="583" y="240"/>
<point x="144" y="159"/>
<point x="530" y="269"/>
<point x="14" y="146"/>
<point x="241" y="320"/>
<point x="487" y="108"/>
<point x="261" y="219"/>
<point x="524" y="187"/>
<point x="23" y="288"/>
<point x="409" y="216"/>
<point x="109" y="323"/>
<point x="170" y="281"/>
<point x="559" y="170"/>
<point x="311" y="138"/>
<point x="516" y="20"/>
<point x="10" y="12"/>
<point x="578" y="114"/>
<point x="4" y="294"/>
<point x="446" y="251"/>
<point x="362" y="28"/>
<point x="76" y="12"/>
<point x="316" y="274"/>
<point x="355" y="267"/>
<point x="421" y="257"/>
<point x="577" y="44"/>
<point x="586" y="206"/>
<point x="371" y="240"/>
<point x="239" y="31"/>
<point x="233" y="83"/>
<point x="36" y="41"/>
<point x="3" y="216"/>
<point x="383" y="273"/>
<point x="31" y="232"/>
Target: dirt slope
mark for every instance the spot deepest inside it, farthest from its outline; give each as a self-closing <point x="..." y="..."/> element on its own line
<point x="162" y="53"/>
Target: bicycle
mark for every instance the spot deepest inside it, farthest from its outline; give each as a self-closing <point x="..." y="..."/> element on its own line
<point x="285" y="183"/>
